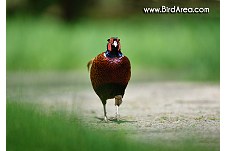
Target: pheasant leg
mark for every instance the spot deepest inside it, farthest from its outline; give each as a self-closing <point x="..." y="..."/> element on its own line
<point x="118" y="101"/>
<point x="105" y="117"/>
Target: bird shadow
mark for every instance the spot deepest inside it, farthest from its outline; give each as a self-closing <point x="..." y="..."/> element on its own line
<point x="114" y="120"/>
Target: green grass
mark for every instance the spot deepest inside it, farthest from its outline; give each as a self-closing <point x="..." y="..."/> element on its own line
<point x="180" y="44"/>
<point x="31" y="128"/>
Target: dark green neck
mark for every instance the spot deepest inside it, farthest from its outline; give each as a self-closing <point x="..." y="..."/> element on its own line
<point x="113" y="53"/>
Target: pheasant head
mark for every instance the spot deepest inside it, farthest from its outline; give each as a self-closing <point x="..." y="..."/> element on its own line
<point x="113" y="48"/>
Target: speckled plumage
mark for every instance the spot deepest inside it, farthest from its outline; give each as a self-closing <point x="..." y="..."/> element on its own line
<point x="110" y="73"/>
<point x="110" y="76"/>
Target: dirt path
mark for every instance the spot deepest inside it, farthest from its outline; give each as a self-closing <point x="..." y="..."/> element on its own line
<point x="165" y="111"/>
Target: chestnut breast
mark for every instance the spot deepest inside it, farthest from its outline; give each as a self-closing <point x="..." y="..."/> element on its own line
<point x="105" y="70"/>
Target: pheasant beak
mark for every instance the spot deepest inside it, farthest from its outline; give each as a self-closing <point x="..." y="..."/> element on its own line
<point x="115" y="43"/>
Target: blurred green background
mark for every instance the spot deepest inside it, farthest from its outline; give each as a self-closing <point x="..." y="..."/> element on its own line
<point x="63" y="35"/>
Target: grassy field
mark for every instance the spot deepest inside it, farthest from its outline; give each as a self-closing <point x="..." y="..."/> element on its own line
<point x="187" y="45"/>
<point x="31" y="128"/>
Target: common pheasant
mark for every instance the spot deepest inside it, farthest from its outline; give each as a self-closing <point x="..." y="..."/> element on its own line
<point x="110" y="73"/>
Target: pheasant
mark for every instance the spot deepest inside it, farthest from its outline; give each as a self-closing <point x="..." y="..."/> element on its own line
<point x="110" y="73"/>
